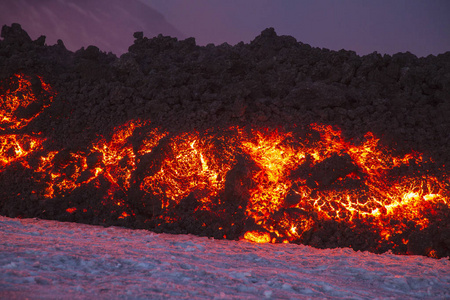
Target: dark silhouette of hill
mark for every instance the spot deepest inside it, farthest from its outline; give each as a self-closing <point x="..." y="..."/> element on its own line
<point x="108" y="24"/>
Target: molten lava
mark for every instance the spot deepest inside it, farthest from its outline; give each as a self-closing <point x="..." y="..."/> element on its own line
<point x="114" y="160"/>
<point x="263" y="185"/>
<point x="361" y="188"/>
<point x="23" y="99"/>
<point x="15" y="147"/>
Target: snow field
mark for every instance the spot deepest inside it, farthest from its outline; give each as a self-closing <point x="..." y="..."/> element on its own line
<point x="42" y="259"/>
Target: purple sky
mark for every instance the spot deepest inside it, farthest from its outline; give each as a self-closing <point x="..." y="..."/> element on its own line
<point x="386" y="26"/>
<point x="419" y="26"/>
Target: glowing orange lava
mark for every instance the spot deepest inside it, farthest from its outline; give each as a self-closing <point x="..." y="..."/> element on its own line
<point x="14" y="147"/>
<point x="281" y="196"/>
<point x="114" y="159"/>
<point x="284" y="183"/>
<point x="19" y="103"/>
<point x="191" y="166"/>
<point x="377" y="195"/>
<point x="257" y="237"/>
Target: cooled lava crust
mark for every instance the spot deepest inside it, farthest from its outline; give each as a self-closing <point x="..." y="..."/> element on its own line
<point x="271" y="141"/>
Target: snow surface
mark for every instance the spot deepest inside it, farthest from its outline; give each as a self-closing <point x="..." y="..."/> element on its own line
<point x="42" y="259"/>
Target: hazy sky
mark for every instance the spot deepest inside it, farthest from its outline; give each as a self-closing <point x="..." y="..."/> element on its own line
<point x="387" y="26"/>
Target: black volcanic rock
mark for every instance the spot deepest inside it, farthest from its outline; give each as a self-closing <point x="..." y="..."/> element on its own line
<point x="15" y="35"/>
<point x="179" y="86"/>
<point x="274" y="80"/>
<point x="324" y="174"/>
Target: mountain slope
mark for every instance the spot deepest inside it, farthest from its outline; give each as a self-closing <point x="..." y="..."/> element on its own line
<point x="108" y="24"/>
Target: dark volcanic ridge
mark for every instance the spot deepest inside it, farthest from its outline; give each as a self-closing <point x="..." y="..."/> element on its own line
<point x="109" y="24"/>
<point x="272" y="82"/>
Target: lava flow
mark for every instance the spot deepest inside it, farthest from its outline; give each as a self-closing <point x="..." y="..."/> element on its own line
<point x="23" y="99"/>
<point x="259" y="184"/>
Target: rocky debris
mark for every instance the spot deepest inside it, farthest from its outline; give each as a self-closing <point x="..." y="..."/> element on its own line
<point x="180" y="86"/>
<point x="324" y="174"/>
<point x="15" y="35"/>
<point x="272" y="81"/>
